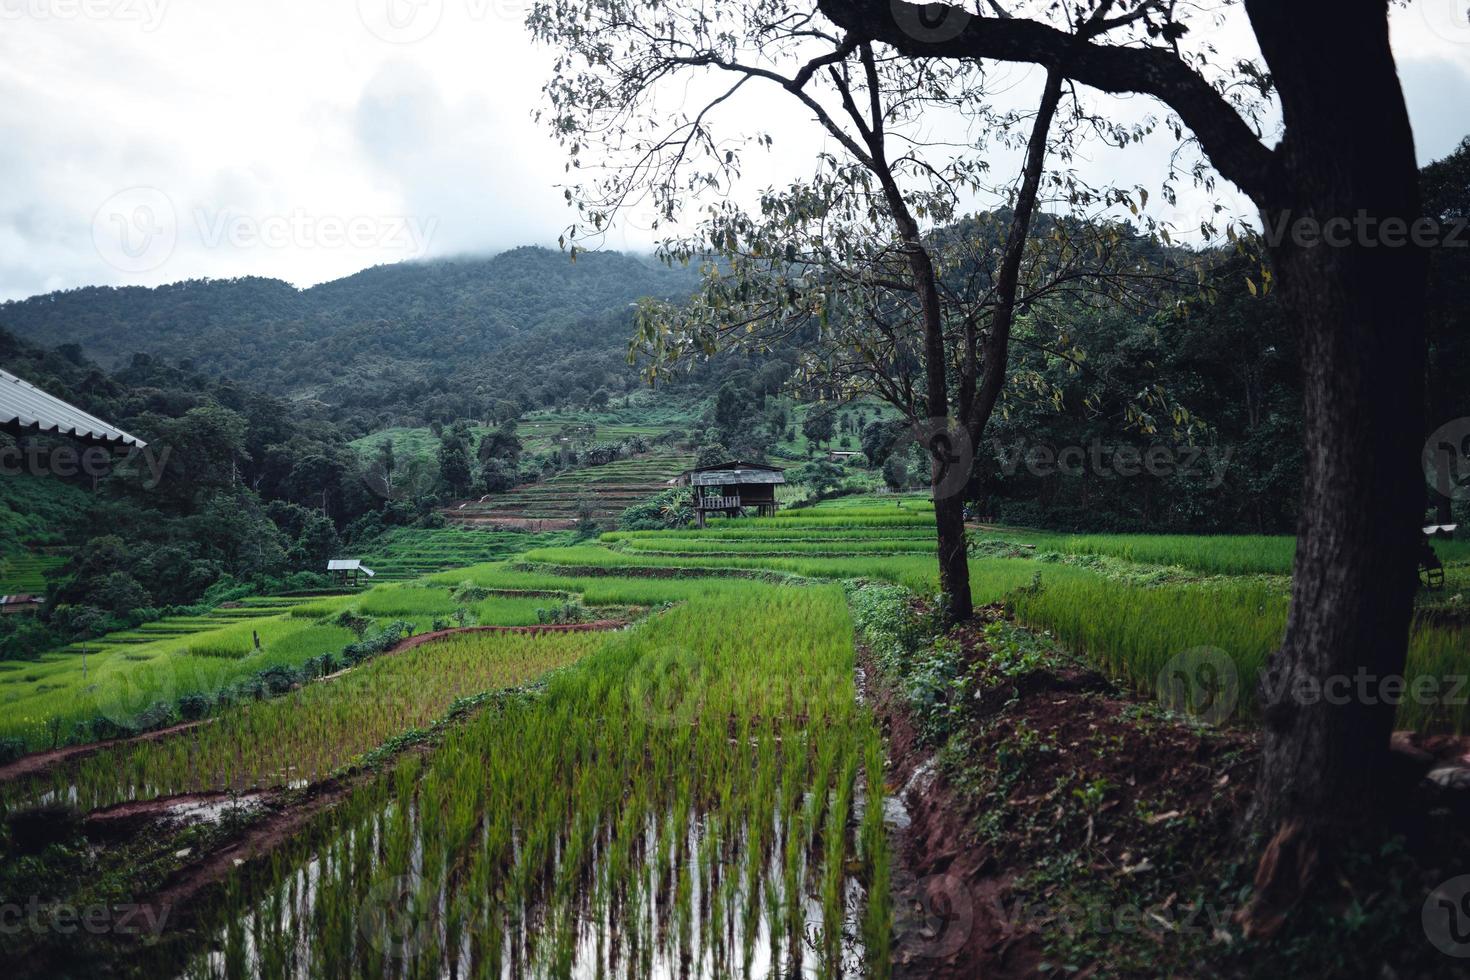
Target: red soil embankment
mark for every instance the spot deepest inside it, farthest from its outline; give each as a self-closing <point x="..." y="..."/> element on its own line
<point x="40" y="763"/>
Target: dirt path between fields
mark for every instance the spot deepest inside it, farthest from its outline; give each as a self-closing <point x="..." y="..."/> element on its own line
<point x="40" y="763"/>
<point x="179" y="901"/>
<point x="947" y="893"/>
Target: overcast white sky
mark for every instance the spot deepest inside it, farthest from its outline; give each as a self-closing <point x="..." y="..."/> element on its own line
<point x="308" y="139"/>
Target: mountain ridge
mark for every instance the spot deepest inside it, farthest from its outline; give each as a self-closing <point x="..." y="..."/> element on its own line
<point x="529" y="323"/>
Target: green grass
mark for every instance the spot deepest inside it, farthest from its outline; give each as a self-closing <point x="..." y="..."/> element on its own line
<point x="1131" y="620"/>
<point x="424" y="604"/>
<point x="837" y="547"/>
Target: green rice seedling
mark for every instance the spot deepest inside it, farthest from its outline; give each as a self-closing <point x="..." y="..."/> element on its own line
<point x="302" y="737"/>
<point x="1212" y="554"/>
<point x="700" y="794"/>
<point x="671" y="816"/>
<point x="121" y="683"/>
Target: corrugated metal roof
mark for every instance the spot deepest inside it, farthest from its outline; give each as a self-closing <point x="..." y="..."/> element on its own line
<point x="736" y="464"/>
<point x="26" y="408"/>
<point x="349" y="565"/>
<point x="733" y="477"/>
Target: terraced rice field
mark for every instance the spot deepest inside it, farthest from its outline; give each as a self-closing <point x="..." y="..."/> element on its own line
<point x="306" y="735"/>
<point x="719" y="827"/>
<point x="697" y="779"/>
<point x="122" y="675"/>
<point x="1128" y="602"/>
<point x="606" y="491"/>
<point x="542" y="432"/>
<point x="698" y="794"/>
<point x="26" y="573"/>
<point x="407" y="553"/>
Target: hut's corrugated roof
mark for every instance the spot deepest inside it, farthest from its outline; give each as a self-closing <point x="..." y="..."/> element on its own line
<point x="733" y="472"/>
<point x="24" y="408"/>
<point x="349" y="565"/>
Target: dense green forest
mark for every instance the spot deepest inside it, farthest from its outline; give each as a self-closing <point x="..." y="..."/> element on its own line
<point x="392" y="345"/>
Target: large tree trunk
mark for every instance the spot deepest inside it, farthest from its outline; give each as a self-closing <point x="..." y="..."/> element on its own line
<point x="954" y="559"/>
<point x="1361" y="312"/>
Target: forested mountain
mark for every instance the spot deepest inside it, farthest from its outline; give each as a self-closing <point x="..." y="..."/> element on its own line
<point x="414" y="342"/>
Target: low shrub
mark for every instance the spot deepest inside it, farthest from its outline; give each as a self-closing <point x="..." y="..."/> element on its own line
<point x="672" y="508"/>
<point x="567" y="612"/>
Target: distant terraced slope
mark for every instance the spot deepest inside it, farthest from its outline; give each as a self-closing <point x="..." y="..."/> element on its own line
<point x="607" y="490"/>
<point x="408" y="553"/>
<point x="26" y="572"/>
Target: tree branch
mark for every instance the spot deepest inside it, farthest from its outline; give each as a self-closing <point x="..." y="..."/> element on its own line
<point x="1233" y="148"/>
